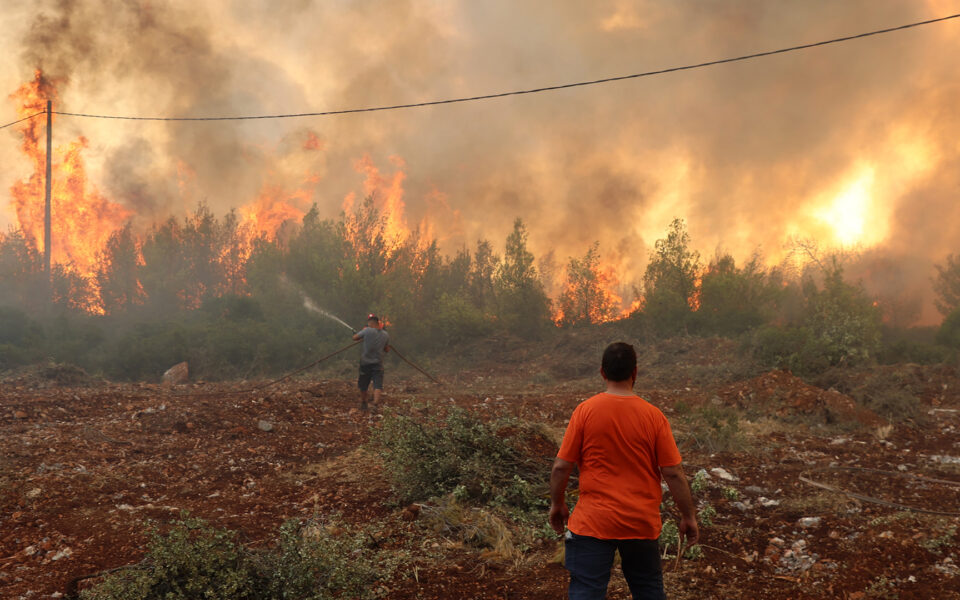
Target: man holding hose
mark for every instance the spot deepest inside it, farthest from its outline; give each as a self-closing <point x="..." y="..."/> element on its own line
<point x="376" y="343"/>
<point x="623" y="446"/>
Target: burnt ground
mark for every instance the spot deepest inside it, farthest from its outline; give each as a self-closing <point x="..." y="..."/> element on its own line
<point x="85" y="465"/>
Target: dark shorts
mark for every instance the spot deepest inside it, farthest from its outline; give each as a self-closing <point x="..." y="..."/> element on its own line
<point x="370" y="373"/>
<point x="590" y="560"/>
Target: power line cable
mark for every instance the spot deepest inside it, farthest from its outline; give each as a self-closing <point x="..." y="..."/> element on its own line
<point x="42" y="112"/>
<point x="527" y="91"/>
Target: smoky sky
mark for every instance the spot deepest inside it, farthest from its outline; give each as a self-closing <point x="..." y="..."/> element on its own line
<point x="751" y="154"/>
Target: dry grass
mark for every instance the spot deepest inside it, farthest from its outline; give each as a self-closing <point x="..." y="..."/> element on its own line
<point x="478" y="527"/>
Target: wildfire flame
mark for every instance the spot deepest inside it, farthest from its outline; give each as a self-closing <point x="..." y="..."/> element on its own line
<point x="82" y="218"/>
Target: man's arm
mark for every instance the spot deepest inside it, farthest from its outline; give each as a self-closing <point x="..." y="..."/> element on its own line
<point x="559" y="476"/>
<point x="680" y="490"/>
<point x="358" y="335"/>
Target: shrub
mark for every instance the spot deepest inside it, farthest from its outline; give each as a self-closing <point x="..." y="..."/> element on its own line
<point x="458" y="319"/>
<point x="494" y="462"/>
<point x="192" y="560"/>
<point x="195" y="560"/>
<point x="949" y="332"/>
<point x="792" y="348"/>
<point x="714" y="429"/>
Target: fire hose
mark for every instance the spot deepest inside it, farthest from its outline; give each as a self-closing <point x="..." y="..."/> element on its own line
<point x="308" y="366"/>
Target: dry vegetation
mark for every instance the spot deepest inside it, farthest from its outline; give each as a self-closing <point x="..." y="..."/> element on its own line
<point x="89" y="467"/>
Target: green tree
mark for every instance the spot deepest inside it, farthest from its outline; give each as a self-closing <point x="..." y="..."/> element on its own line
<point x="117" y="272"/>
<point x="21" y="271"/>
<point x="523" y="306"/>
<point x="947" y="285"/>
<point x="670" y="281"/>
<point x="949" y="332"/>
<point x="485" y="266"/>
<point x="735" y="299"/>
<point x="585" y="299"/>
<point x="843" y="320"/>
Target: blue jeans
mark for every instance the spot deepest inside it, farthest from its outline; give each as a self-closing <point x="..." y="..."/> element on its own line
<point x="590" y="560"/>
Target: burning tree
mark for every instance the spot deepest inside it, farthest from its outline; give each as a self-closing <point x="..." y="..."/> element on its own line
<point x="586" y="299"/>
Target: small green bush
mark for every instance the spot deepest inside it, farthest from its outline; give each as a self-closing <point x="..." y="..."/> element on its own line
<point x="906" y="351"/>
<point x="494" y="462"/>
<point x="194" y="560"/>
<point x="792" y="348"/>
<point x="949" y="332"/>
<point x="714" y="429"/>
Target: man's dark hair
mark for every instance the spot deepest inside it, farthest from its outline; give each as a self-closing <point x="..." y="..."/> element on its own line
<point x="619" y="361"/>
<point x="374" y="320"/>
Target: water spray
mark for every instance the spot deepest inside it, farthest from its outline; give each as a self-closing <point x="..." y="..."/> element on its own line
<point x="311" y="306"/>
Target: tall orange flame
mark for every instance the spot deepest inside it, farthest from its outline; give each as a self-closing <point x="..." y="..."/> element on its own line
<point x="82" y="218"/>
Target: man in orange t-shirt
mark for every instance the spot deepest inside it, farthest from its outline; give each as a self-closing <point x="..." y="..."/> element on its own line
<point x="623" y="445"/>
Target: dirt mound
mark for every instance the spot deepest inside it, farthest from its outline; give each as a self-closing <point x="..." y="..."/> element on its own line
<point x="51" y="374"/>
<point x="782" y="394"/>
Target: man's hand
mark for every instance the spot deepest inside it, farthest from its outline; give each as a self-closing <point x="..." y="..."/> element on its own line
<point x="688" y="529"/>
<point x="558" y="499"/>
<point x="680" y="490"/>
<point x="559" y="513"/>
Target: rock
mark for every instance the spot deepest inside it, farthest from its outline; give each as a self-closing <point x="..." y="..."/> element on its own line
<point x="64" y="553"/>
<point x="723" y="474"/>
<point x="265" y="425"/>
<point x="807" y="522"/>
<point x="35" y="492"/>
<point x="20" y="415"/>
<point x="178" y="374"/>
<point x="752" y="489"/>
<point x="740" y="506"/>
<point x="767" y="502"/>
<point x="411" y="512"/>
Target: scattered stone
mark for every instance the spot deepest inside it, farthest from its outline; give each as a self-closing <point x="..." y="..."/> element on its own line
<point x="767" y="502"/>
<point x="753" y="489"/>
<point x="741" y="506"/>
<point x="411" y="512"/>
<point x="886" y="535"/>
<point x="35" y="492"/>
<point x="724" y="474"/>
<point x="946" y="460"/>
<point x="265" y="425"/>
<point x="807" y="522"/>
<point x="20" y="415"/>
<point x="64" y="553"/>
<point x="178" y="374"/>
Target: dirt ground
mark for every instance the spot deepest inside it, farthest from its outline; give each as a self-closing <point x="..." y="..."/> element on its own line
<point x="85" y="464"/>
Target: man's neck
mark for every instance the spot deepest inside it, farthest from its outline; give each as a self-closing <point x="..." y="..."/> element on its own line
<point x="620" y="388"/>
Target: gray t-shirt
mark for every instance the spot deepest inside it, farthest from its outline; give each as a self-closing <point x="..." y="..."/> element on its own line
<point x="374" y="345"/>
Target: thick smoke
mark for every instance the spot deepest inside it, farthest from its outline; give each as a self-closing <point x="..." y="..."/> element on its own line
<point x="750" y="154"/>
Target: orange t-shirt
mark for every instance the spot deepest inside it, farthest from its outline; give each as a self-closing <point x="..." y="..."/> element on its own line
<point x="620" y="443"/>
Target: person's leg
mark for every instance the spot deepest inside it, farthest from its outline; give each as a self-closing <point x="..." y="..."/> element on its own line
<point x="363" y="382"/>
<point x="377" y="387"/>
<point x="589" y="561"/>
<point x="640" y="561"/>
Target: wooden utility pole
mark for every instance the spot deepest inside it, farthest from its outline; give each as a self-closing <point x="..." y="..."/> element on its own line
<point x="47" y="237"/>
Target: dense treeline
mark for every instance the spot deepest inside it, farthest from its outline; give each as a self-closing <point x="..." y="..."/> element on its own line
<point x="206" y="290"/>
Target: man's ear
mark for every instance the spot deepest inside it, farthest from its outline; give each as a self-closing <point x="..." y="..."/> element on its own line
<point x="603" y="374"/>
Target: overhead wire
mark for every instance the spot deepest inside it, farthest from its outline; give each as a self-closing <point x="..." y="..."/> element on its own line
<point x="42" y="112"/>
<point x="520" y="92"/>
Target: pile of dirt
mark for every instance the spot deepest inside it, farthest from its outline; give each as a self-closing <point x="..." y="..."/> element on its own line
<point x="781" y="394"/>
<point x="50" y="374"/>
